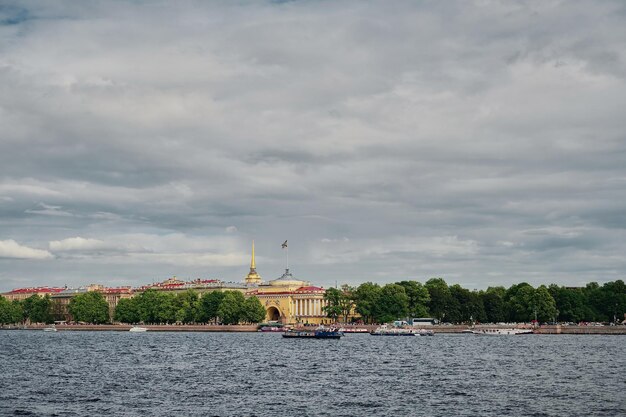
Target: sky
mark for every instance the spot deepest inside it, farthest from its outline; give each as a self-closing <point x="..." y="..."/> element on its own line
<point x="483" y="142"/>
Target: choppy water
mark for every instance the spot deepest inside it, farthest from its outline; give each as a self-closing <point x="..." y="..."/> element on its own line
<point x="255" y="374"/>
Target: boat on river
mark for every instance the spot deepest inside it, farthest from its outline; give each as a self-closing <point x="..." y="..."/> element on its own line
<point x="502" y="332"/>
<point x="138" y="329"/>
<point x="50" y="329"/>
<point x="353" y="330"/>
<point x="384" y="330"/>
<point x="319" y="333"/>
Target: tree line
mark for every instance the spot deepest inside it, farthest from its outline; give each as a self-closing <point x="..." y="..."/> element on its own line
<point x="149" y="307"/>
<point x="225" y="307"/>
<point x="373" y="302"/>
<point x="455" y="304"/>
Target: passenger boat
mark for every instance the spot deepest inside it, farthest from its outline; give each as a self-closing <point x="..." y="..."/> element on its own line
<point x="319" y="333"/>
<point x="138" y="329"/>
<point x="353" y="330"/>
<point x="502" y="332"/>
<point x="394" y="331"/>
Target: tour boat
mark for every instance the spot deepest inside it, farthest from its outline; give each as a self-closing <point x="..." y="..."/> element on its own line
<point x="319" y="333"/>
<point x="353" y="330"/>
<point x="138" y="329"/>
<point x="501" y="332"/>
<point x="394" y="331"/>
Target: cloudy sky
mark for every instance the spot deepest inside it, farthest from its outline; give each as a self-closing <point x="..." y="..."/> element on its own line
<point x="483" y="142"/>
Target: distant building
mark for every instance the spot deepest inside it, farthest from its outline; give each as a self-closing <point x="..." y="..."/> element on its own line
<point x="24" y="293"/>
<point x="286" y="299"/>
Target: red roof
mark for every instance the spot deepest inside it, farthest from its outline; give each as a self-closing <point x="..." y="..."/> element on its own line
<point x="35" y="290"/>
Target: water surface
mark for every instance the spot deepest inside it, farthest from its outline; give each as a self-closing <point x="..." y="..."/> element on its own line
<point x="262" y="374"/>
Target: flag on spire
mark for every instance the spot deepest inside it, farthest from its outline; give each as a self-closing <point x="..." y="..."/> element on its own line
<point x="284" y="245"/>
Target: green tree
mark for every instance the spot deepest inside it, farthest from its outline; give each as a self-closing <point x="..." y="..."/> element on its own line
<point x="10" y="312"/>
<point x="366" y="298"/>
<point x="346" y="301"/>
<point x="519" y="300"/>
<point x="392" y="304"/>
<point x="89" y="307"/>
<point x="570" y="304"/>
<point x="187" y="304"/>
<point x="441" y="299"/>
<point x="333" y="308"/>
<point x="168" y="307"/>
<point x="493" y="302"/>
<point x="467" y="305"/>
<point x="38" y="309"/>
<point x="253" y="310"/>
<point x="149" y="306"/>
<point x="543" y="304"/>
<point x="418" y="298"/>
<point x="126" y="311"/>
<point x="209" y="305"/>
<point x="230" y="310"/>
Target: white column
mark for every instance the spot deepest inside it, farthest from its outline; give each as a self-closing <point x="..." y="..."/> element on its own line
<point x="298" y="307"/>
<point x="308" y="307"/>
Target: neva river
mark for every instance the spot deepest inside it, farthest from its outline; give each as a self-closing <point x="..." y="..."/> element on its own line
<point x="254" y="374"/>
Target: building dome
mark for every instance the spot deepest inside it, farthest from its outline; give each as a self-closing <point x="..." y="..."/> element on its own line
<point x="288" y="280"/>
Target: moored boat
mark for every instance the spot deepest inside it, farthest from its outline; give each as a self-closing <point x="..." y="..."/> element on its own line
<point x="353" y="330"/>
<point x="384" y="330"/>
<point x="50" y="329"/>
<point x="502" y="332"/>
<point x="138" y="329"/>
<point x="319" y="333"/>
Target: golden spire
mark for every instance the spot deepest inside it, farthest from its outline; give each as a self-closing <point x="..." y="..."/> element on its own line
<point x="252" y="264"/>
<point x="253" y="277"/>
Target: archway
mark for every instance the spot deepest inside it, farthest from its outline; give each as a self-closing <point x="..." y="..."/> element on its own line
<point x="273" y="314"/>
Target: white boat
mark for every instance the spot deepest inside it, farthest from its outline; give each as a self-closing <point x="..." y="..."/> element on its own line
<point x="384" y="330"/>
<point x="501" y="332"/>
<point x="50" y="329"/>
<point x="138" y="329"/>
<point x="353" y="330"/>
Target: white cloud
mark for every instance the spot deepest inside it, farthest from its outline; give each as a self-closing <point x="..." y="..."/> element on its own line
<point x="11" y="249"/>
<point x="78" y="244"/>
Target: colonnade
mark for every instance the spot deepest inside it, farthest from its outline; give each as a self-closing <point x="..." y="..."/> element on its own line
<point x="309" y="306"/>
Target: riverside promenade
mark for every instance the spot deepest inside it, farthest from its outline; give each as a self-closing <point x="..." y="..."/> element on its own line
<point x="548" y="329"/>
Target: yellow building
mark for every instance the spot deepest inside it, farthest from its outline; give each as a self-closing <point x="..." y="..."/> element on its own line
<point x="286" y="299"/>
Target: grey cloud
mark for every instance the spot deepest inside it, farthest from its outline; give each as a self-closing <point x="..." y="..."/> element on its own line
<point x="387" y="124"/>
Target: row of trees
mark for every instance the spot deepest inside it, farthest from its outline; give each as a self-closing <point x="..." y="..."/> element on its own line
<point x="34" y="309"/>
<point x="455" y="304"/>
<point x="373" y="302"/>
<point x="150" y="307"/>
<point x="227" y="307"/>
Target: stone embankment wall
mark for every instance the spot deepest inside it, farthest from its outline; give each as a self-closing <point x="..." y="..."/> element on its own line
<point x="615" y="330"/>
<point x="152" y="328"/>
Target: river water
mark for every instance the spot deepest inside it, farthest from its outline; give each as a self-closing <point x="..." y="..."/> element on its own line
<point x="262" y="374"/>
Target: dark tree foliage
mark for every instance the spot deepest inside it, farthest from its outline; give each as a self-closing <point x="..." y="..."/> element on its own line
<point x="90" y="307"/>
<point x="253" y="310"/>
<point x="366" y="298"/>
<point x="37" y="309"/>
<point x="209" y="304"/>
<point x="418" y="298"/>
<point x="393" y="303"/>
<point x="10" y="312"/>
